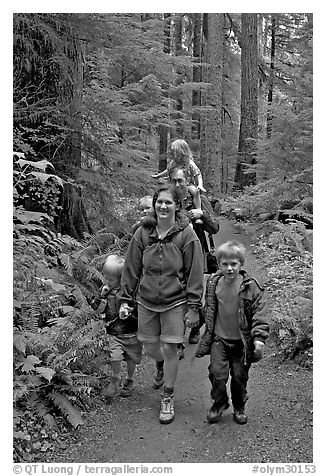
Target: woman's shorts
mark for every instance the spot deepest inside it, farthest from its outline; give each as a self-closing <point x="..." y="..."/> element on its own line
<point x="125" y="348"/>
<point x="167" y="326"/>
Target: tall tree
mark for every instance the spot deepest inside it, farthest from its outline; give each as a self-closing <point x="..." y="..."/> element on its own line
<point x="248" y="134"/>
<point x="271" y="78"/>
<point x="196" y="75"/>
<point x="163" y="130"/>
<point x="73" y="146"/>
<point x="48" y="86"/>
<point x="224" y="157"/>
<point x="179" y="71"/>
<point x="213" y="103"/>
<point x="203" y="118"/>
<point x="289" y="146"/>
<point x="230" y="100"/>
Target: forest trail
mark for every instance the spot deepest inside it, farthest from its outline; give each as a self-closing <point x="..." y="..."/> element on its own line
<point x="279" y="409"/>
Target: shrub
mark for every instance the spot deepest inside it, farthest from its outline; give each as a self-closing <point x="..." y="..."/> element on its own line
<point x="56" y="332"/>
<point x="289" y="285"/>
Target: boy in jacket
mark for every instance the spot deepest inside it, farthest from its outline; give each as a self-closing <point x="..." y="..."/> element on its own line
<point x="235" y="332"/>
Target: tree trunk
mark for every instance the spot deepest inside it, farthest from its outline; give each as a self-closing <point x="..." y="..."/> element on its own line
<point x="72" y="147"/>
<point x="180" y="74"/>
<point x="196" y="74"/>
<point x="167" y="33"/>
<point x="203" y="117"/>
<point x="213" y="103"/>
<point x="244" y="173"/>
<point x="72" y="219"/>
<point x="224" y="157"/>
<point x="163" y="130"/>
<point x="163" y="146"/>
<point x="271" y="81"/>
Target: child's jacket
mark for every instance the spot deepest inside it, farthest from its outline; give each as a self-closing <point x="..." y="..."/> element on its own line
<point x="253" y="321"/>
<point x="109" y="306"/>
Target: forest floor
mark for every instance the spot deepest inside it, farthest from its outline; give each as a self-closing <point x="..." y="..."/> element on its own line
<point x="126" y="430"/>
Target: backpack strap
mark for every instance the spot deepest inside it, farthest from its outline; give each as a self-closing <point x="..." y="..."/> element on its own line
<point x="211" y="241"/>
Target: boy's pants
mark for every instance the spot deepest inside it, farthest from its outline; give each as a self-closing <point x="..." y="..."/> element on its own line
<point x="226" y="357"/>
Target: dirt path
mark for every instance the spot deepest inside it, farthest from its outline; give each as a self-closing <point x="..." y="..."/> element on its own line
<point x="279" y="409"/>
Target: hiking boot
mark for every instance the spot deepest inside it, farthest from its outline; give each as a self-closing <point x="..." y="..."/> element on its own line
<point x="158" y="379"/>
<point x="167" y="409"/>
<point x="113" y="388"/>
<point x="214" y="414"/>
<point x="194" y="336"/>
<point x="126" y="388"/>
<point x="181" y="351"/>
<point x="240" y="417"/>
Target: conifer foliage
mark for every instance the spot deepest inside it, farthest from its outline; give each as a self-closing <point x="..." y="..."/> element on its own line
<point x="97" y="100"/>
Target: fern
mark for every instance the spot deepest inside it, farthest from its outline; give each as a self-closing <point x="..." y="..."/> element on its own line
<point x="64" y="375"/>
<point x="67" y="263"/>
<point x="85" y="274"/>
<point x="293" y="235"/>
<point x="80" y="343"/>
<point x="40" y="408"/>
<point x="289" y="282"/>
<point x="66" y="408"/>
<point x="31" y="315"/>
<point x="98" y="243"/>
<point x="56" y="337"/>
<point x="75" y="382"/>
<point x="69" y="243"/>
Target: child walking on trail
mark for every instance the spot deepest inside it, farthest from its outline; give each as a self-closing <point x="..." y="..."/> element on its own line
<point x="122" y="331"/>
<point x="182" y="156"/>
<point x="235" y="332"/>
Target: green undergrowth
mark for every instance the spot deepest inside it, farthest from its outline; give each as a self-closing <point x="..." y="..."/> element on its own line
<point x="285" y="253"/>
<point x="59" y="341"/>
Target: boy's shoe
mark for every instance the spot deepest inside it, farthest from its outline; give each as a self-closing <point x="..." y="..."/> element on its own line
<point x="113" y="388"/>
<point x="126" y="388"/>
<point x="239" y="416"/>
<point x="167" y="409"/>
<point x="158" y="379"/>
<point x="214" y="414"/>
<point x="181" y="351"/>
<point x="194" y="336"/>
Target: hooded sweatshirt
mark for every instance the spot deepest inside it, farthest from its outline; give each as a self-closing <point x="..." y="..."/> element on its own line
<point x="163" y="273"/>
